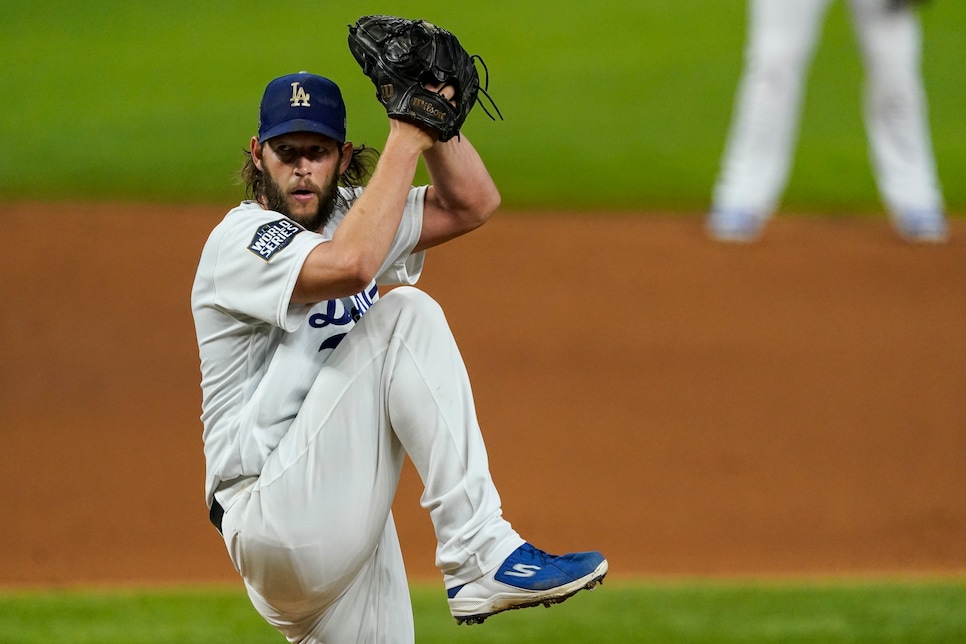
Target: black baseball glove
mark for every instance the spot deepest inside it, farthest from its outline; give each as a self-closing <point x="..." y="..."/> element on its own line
<point x="402" y="57"/>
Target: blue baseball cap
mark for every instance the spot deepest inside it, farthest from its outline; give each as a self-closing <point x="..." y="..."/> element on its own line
<point x="302" y="102"/>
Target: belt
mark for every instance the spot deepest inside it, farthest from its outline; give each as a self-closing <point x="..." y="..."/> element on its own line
<point x="228" y="490"/>
<point x="216" y="514"/>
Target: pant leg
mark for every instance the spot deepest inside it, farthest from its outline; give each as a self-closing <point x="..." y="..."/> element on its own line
<point x="434" y="417"/>
<point x="305" y="534"/>
<point x="895" y="106"/>
<point x="374" y="609"/>
<point x="781" y="40"/>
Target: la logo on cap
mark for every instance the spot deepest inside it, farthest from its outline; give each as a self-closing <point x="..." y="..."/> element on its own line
<point x="299" y="96"/>
<point x="301" y="102"/>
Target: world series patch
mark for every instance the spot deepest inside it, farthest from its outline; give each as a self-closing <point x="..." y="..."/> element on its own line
<point x="273" y="237"/>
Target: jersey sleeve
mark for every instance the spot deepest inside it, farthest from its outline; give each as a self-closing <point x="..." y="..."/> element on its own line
<point x="255" y="263"/>
<point x="402" y="265"/>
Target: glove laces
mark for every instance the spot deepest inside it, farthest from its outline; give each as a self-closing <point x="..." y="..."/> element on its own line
<point x="483" y="90"/>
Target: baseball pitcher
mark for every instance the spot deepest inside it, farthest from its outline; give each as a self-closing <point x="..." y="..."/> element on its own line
<point x="315" y="388"/>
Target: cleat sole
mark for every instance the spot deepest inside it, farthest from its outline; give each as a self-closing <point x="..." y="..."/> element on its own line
<point x="470" y="620"/>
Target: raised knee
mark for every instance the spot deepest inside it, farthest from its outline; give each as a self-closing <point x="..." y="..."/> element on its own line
<point x="409" y="298"/>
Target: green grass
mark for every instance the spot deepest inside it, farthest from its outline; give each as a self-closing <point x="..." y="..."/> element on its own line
<point x="826" y="612"/>
<point x="621" y="104"/>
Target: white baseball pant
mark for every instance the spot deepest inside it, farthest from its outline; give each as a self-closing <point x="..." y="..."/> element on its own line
<point x="313" y="536"/>
<point x="781" y="40"/>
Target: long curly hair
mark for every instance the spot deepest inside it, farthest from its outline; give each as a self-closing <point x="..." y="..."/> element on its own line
<point x="356" y="175"/>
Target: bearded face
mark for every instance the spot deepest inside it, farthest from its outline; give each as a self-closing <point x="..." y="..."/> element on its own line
<point x="279" y="199"/>
<point x="300" y="176"/>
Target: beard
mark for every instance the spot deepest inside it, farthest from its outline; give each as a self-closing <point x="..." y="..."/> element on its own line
<point x="275" y="200"/>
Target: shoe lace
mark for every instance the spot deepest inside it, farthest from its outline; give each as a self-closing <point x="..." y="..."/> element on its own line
<point x="537" y="554"/>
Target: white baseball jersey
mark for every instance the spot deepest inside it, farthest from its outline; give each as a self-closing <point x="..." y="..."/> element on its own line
<point x="259" y="354"/>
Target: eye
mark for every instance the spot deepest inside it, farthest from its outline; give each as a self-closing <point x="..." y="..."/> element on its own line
<point x="284" y="152"/>
<point x="291" y="152"/>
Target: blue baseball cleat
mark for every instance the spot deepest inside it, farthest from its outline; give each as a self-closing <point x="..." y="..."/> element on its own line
<point x="528" y="577"/>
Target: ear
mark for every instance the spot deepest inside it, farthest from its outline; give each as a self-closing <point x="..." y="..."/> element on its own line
<point x="255" y="147"/>
<point x="346" y="156"/>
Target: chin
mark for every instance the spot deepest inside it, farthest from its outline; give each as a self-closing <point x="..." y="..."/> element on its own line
<point x="300" y="209"/>
<point x="303" y="209"/>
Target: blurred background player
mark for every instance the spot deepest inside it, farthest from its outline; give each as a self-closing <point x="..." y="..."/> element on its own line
<point x="781" y="38"/>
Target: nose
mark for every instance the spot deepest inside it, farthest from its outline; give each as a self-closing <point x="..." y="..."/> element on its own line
<point x="302" y="166"/>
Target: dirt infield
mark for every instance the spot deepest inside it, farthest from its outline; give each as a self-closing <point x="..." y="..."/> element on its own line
<point x="794" y="407"/>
